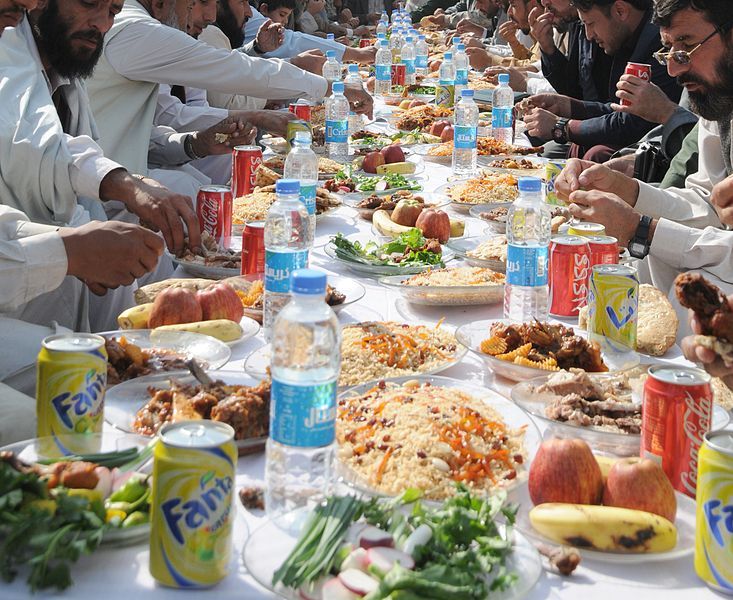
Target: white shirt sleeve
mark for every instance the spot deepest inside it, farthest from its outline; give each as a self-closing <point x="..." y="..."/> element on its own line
<point x="295" y="41"/>
<point x="191" y="116"/>
<point x="166" y="147"/>
<point x="89" y="165"/>
<point x="146" y="50"/>
<point x="32" y="259"/>
<point x="690" y="205"/>
<point x="537" y="84"/>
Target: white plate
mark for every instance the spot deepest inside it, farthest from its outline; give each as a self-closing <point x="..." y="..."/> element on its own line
<point x="122" y="402"/>
<point x="462" y="246"/>
<point x="257" y="363"/>
<point x="352" y="200"/>
<point x="685" y="523"/>
<point x="205" y="271"/>
<point x="537" y="172"/>
<point x="374" y="270"/>
<point x="423" y="149"/>
<point x="465" y="206"/>
<point x="493" y="226"/>
<point x="472" y="334"/>
<point x="279" y="146"/>
<point x="269" y="545"/>
<point x="208" y="351"/>
<point x="514" y="418"/>
<point x="446" y="295"/>
<point x="250" y="328"/>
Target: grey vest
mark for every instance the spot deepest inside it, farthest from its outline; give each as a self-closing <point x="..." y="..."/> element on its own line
<point x="725" y="143"/>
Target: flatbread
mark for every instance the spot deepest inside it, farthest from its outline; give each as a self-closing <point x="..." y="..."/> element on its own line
<point x="722" y="394"/>
<point x="265" y="176"/>
<point x="148" y="293"/>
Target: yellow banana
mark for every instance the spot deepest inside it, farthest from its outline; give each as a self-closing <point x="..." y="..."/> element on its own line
<point x="605" y="528"/>
<point x="222" y="329"/>
<point x="406" y="168"/>
<point x="135" y="317"/>
<point x="384" y="224"/>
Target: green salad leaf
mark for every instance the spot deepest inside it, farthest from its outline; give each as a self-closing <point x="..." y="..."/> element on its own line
<point x="406" y="249"/>
<point x="364" y="183"/>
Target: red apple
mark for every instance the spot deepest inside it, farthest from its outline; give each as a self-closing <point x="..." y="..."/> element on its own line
<point x="220" y="301"/>
<point x="434" y="224"/>
<point x="640" y="484"/>
<point x="437" y="127"/>
<point x="372" y="161"/>
<point x="565" y="471"/>
<point x="447" y="134"/>
<point x="393" y="154"/>
<point x="174" y="306"/>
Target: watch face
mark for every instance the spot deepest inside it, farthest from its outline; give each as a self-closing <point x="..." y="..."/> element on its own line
<point x="637" y="249"/>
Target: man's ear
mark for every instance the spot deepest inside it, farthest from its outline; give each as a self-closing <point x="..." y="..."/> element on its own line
<point x="621" y="10"/>
<point x="40" y="7"/>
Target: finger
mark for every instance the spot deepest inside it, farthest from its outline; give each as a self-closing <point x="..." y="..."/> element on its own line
<point x="592" y="176"/>
<point x="173" y="216"/>
<point x="620" y="108"/>
<point x="96" y="288"/>
<point x="138" y="270"/>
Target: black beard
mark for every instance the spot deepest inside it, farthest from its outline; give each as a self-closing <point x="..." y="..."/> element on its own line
<point x="715" y="103"/>
<point x="54" y="40"/>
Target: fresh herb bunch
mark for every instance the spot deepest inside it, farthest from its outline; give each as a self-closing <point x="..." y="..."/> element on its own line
<point x="410" y="242"/>
<point x="393" y="181"/>
<point x="43" y="533"/>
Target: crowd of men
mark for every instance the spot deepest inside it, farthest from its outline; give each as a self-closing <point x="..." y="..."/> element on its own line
<point x="110" y="112"/>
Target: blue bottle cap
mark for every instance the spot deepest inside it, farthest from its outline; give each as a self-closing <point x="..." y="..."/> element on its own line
<point x="527" y="184"/>
<point x="456" y="40"/>
<point x="308" y="281"/>
<point x="353" y="68"/>
<point x="338" y="87"/>
<point x="421" y="37"/>
<point x="330" y="36"/>
<point x="504" y="78"/>
<point x="383" y="43"/>
<point x="466" y="93"/>
<point x="408" y="39"/>
<point x="287" y="186"/>
<point x="302" y="137"/>
<point x="449" y="56"/>
<point x="330" y="54"/>
<point x="461" y="47"/>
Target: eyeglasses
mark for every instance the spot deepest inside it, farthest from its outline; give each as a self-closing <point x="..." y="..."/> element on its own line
<point x="682" y="57"/>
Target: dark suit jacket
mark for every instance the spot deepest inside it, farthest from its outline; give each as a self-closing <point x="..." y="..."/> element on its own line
<point x="360" y="9"/>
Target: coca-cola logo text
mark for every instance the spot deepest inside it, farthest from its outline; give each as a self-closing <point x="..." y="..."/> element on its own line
<point x="209" y="215"/>
<point x="698" y="413"/>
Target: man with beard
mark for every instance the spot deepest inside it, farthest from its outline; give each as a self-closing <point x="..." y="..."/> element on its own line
<point x="663" y="226"/>
<point x="623" y="29"/>
<point x="141" y="51"/>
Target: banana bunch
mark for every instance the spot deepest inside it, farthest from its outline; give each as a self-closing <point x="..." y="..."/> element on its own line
<point x="605" y="528"/>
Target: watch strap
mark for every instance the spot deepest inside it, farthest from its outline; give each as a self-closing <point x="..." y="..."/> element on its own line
<point x="641" y="238"/>
<point x="561" y="126"/>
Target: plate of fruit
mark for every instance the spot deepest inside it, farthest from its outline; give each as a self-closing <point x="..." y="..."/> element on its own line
<point x="433" y="222"/>
<point x="621" y="510"/>
<point x="390" y="159"/>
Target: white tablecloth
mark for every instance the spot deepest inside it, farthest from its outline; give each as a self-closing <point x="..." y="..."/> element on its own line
<point x="122" y="573"/>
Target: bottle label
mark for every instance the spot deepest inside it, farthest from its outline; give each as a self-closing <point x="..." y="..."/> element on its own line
<point x="501" y="117"/>
<point x="308" y="197"/>
<point x="526" y="265"/>
<point x="383" y="72"/>
<point x="337" y="132"/>
<point x="421" y="61"/>
<point x="461" y="77"/>
<point x="444" y="93"/>
<point x="464" y="137"/>
<point x="409" y="66"/>
<point x="279" y="266"/>
<point x="303" y="415"/>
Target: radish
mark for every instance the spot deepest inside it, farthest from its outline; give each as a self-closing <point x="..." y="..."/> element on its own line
<point x="333" y="589"/>
<point x="417" y="538"/>
<point x="373" y="537"/>
<point x="358" y="582"/>
<point x="383" y="559"/>
<point x="104" y="481"/>
<point x="357" y="559"/>
<point x="313" y="591"/>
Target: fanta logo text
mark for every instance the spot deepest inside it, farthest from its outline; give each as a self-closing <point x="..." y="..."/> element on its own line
<point x="81" y="403"/>
<point x="196" y="512"/>
<point x="697" y="421"/>
<point x="719" y="519"/>
<point x="319" y="416"/>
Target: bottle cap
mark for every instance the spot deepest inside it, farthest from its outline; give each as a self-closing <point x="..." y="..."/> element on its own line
<point x="330" y="36"/>
<point x="421" y="37"/>
<point x="408" y="39"/>
<point x="449" y="56"/>
<point x="527" y="184"/>
<point x="466" y="93"/>
<point x="456" y="40"/>
<point x="504" y="78"/>
<point x="302" y="137"/>
<point x="308" y="281"/>
<point x="338" y="87"/>
<point x="287" y="186"/>
<point x="353" y="68"/>
<point x="383" y="43"/>
<point x="461" y="47"/>
<point x="330" y="54"/>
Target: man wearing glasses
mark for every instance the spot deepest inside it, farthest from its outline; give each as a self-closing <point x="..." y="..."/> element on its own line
<point x="677" y="229"/>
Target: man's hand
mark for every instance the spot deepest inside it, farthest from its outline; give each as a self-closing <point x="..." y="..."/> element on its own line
<point x="363" y="56"/>
<point x="239" y="132"/>
<point x="710" y="361"/>
<point x="436" y="19"/>
<point x="508" y="30"/>
<point x="540" y="123"/>
<point x="586" y="175"/>
<point x="360" y="30"/>
<point x="517" y="78"/>
<point x="110" y="254"/>
<point x="619" y="219"/>
<point x="270" y="36"/>
<point x="622" y="164"/>
<point x="360" y="101"/>
<point x="310" y="60"/>
<point x="540" y="26"/>
<point x="468" y="26"/>
<point x="647" y="100"/>
<point x="373" y="18"/>
<point x="479" y="58"/>
<point x="471" y="41"/>
<point x="275" y="122"/>
<point x="722" y="199"/>
<point x="555" y="103"/>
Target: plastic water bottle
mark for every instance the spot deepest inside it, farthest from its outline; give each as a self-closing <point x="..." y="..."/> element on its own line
<point x="444" y="94"/>
<point x="528" y="231"/>
<point x="395" y="44"/>
<point x="464" y="135"/>
<point x="455" y="41"/>
<point x="421" y="56"/>
<point x="501" y="111"/>
<point x="460" y="60"/>
<point x="331" y="68"/>
<point x="382" y="25"/>
<point x="287" y="239"/>
<point x="330" y="37"/>
<point x="337" y="123"/>
<point x="408" y="57"/>
<point x="352" y="75"/>
<point x="383" y="70"/>
<point x="306" y="362"/>
<point x="301" y="163"/>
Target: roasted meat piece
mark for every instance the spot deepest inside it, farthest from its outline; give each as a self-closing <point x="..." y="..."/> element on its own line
<point x="334" y="297"/>
<point x="247" y="413"/>
<point x="709" y="304"/>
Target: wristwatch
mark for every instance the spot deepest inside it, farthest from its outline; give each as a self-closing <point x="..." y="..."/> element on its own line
<point x="639" y="244"/>
<point x="560" y="131"/>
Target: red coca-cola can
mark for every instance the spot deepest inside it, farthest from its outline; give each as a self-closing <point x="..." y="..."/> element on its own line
<point x="214" y="211"/>
<point x="245" y="160"/>
<point x="677" y="412"/>
<point x="253" y="248"/>
<point x="366" y="42"/>
<point x="399" y="73"/>
<point x="603" y="250"/>
<point x="301" y="109"/>
<point x="640" y="70"/>
<point x="568" y="277"/>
